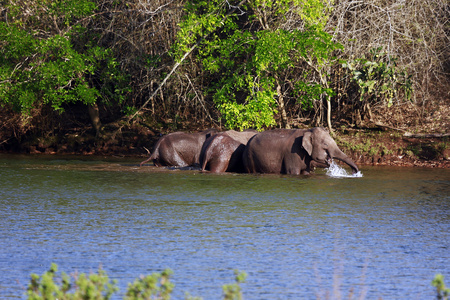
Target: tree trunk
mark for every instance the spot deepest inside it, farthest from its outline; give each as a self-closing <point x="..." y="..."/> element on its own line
<point x="318" y="116"/>
<point x="95" y="118"/>
<point x="324" y="97"/>
<point x="358" y="119"/>
<point x="329" y="114"/>
<point x="368" y="111"/>
<point x="284" y="120"/>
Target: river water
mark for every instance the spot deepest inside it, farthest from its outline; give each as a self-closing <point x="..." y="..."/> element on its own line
<point x="383" y="235"/>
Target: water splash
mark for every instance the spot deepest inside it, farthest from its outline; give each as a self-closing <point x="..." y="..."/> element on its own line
<point x="337" y="171"/>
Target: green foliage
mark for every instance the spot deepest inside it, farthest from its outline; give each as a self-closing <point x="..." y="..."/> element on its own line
<point x="442" y="291"/>
<point x="45" y="14"/>
<point x="155" y="286"/>
<point x="308" y="92"/>
<point x="256" y="110"/>
<point x="233" y="291"/>
<point x="97" y="286"/>
<point x="37" y="70"/>
<point x="379" y="78"/>
<point x="246" y="62"/>
<point x="315" y="13"/>
<point x="312" y="12"/>
<point x="129" y="110"/>
<point x="92" y="287"/>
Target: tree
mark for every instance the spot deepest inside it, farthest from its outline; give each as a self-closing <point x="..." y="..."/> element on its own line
<point x="48" y="57"/>
<point x="253" y="54"/>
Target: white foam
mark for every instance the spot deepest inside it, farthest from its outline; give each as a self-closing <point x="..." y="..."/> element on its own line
<point x="338" y="172"/>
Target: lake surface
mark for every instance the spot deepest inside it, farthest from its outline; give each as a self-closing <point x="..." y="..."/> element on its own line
<point x="384" y="235"/>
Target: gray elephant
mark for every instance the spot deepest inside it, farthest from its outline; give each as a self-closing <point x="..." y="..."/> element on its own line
<point x="179" y="149"/>
<point x="292" y="151"/>
<point x="223" y="152"/>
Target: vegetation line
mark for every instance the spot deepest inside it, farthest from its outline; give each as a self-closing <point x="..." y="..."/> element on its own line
<point x="73" y="73"/>
<point x="97" y="286"/>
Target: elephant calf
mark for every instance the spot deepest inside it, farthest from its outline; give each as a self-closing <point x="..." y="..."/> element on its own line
<point x="179" y="149"/>
<point x="223" y="152"/>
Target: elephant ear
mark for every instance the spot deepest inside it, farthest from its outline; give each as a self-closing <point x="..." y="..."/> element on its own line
<point x="307" y="142"/>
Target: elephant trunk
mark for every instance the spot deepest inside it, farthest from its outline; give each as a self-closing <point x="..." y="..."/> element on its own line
<point x="344" y="158"/>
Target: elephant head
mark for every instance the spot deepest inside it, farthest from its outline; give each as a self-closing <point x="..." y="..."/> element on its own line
<point x="322" y="148"/>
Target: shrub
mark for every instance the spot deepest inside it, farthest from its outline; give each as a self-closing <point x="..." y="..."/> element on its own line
<point x="97" y="286"/>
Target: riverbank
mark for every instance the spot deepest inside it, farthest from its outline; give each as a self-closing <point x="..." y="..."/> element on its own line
<point x="388" y="148"/>
<point x="365" y="146"/>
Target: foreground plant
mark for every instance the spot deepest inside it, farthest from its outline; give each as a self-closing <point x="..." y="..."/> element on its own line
<point x="233" y="291"/>
<point x="98" y="286"/>
<point x="49" y="286"/>
<point x="152" y="287"/>
<point x="155" y="286"/>
<point x="442" y="291"/>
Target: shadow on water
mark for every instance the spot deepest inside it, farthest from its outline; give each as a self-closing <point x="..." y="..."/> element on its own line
<point x="385" y="234"/>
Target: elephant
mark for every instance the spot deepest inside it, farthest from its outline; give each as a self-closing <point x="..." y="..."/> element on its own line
<point x="223" y="152"/>
<point x="179" y="149"/>
<point x="292" y="151"/>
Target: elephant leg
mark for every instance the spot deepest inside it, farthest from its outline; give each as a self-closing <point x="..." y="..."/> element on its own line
<point x="293" y="165"/>
<point x="218" y="166"/>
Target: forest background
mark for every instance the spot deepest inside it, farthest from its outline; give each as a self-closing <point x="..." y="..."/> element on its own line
<point x="109" y="77"/>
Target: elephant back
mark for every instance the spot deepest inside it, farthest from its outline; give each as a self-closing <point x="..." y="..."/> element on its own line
<point x="242" y="137"/>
